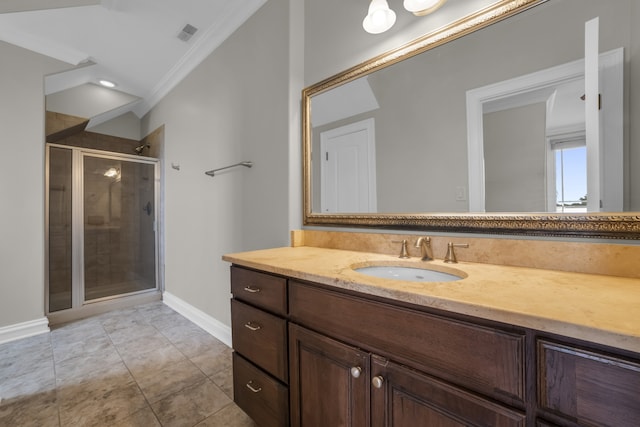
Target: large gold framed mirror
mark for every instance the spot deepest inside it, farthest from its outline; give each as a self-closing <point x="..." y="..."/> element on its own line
<point x="481" y="126"/>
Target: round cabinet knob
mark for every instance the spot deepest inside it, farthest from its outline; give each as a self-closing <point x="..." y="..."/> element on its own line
<point x="356" y="371"/>
<point x="377" y="381"/>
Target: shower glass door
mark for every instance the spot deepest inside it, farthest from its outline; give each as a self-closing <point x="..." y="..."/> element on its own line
<point x="60" y="208"/>
<point x="119" y="222"/>
<point x="101" y="226"/>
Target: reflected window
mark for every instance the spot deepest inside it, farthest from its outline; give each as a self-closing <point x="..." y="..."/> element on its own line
<point x="570" y="177"/>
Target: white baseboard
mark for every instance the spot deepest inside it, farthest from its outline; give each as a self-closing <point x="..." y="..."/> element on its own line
<point x="216" y="328"/>
<point x="24" y="330"/>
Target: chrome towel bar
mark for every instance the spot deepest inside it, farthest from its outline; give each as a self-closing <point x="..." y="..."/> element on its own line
<point x="213" y="171"/>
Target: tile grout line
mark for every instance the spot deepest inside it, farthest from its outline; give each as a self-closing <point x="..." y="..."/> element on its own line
<point x="81" y="353"/>
<point x="132" y="376"/>
<point x="206" y="377"/>
<point x="55" y="377"/>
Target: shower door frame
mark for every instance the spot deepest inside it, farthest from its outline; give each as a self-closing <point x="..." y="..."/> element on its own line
<point x="77" y="225"/>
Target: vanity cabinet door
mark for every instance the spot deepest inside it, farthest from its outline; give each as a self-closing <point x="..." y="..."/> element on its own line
<point x="329" y="383"/>
<point x="588" y="387"/>
<point x="402" y="397"/>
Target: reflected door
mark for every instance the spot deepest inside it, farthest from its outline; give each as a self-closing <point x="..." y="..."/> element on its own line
<point x="348" y="177"/>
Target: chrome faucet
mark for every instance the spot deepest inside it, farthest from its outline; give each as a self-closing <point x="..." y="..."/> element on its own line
<point x="424" y="243"/>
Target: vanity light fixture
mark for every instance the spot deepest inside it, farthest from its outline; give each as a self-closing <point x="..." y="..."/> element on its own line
<point x="380" y="17"/>
<point x="423" y="7"/>
<point x="107" y="83"/>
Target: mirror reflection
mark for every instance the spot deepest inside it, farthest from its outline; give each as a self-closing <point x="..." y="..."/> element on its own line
<point x="491" y="122"/>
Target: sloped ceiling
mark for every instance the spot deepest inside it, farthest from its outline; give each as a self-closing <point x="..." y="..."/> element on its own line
<point x="133" y="43"/>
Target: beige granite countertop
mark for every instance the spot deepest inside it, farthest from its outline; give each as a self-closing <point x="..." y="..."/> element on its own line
<point x="596" y="308"/>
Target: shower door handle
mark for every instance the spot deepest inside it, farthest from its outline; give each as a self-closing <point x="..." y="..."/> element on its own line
<point x="147" y="208"/>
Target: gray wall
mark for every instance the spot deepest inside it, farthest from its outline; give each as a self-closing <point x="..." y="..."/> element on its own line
<point x="514" y="159"/>
<point x="334" y="38"/>
<point x="124" y="126"/>
<point x="22" y="183"/>
<point x="232" y="107"/>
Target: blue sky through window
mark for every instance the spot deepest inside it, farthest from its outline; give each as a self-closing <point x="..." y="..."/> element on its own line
<point x="571" y="174"/>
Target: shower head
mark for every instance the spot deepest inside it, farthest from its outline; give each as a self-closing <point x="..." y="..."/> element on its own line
<point x="141" y="148"/>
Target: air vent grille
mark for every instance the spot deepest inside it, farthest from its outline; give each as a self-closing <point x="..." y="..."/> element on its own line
<point x="187" y="32"/>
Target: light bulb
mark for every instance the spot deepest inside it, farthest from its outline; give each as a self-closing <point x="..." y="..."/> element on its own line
<point x="379" y="18"/>
<point x="422" y="7"/>
<point x="107" y="83"/>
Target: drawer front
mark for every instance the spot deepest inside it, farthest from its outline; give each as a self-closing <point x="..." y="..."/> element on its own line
<point x="260" y="289"/>
<point x="264" y="399"/>
<point x="483" y="359"/>
<point x="260" y="337"/>
<point x="588" y="387"/>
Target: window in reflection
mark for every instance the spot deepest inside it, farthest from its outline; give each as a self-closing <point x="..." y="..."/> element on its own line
<point x="571" y="178"/>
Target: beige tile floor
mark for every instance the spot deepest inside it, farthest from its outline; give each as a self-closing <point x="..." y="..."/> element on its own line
<point x="143" y="366"/>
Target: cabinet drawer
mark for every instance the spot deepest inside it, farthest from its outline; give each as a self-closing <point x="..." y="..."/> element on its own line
<point x="260" y="337"/>
<point x="588" y="387"/>
<point x="483" y="359"/>
<point x="260" y="289"/>
<point x="264" y="399"/>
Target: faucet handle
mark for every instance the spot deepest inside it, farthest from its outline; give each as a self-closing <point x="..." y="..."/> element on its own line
<point x="404" y="253"/>
<point x="450" y="257"/>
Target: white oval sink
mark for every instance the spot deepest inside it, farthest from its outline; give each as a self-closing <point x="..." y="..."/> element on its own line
<point x="410" y="274"/>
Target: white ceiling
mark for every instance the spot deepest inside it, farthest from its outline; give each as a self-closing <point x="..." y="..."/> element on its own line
<point x="131" y="42"/>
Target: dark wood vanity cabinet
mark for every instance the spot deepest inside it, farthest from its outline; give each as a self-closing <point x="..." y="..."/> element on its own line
<point x="588" y="387"/>
<point x="329" y="381"/>
<point x="357" y="388"/>
<point x="404" y="397"/>
<point x="487" y="360"/>
<point x="384" y="371"/>
<point x="260" y="358"/>
<point x="308" y="355"/>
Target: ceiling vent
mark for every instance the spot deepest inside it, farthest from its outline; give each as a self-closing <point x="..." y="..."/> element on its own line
<point x="187" y="32"/>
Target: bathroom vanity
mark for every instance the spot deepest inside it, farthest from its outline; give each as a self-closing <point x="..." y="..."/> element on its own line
<point x="317" y="344"/>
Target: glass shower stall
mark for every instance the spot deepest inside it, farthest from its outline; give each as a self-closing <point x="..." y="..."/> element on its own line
<point x="101" y="226"/>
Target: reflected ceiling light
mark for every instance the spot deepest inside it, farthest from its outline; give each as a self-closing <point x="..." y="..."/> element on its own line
<point x="380" y="18"/>
<point x="107" y="83"/>
<point x="422" y="7"/>
<point x="112" y="173"/>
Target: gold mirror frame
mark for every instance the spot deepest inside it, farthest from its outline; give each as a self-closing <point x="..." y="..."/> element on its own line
<point x="595" y="225"/>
